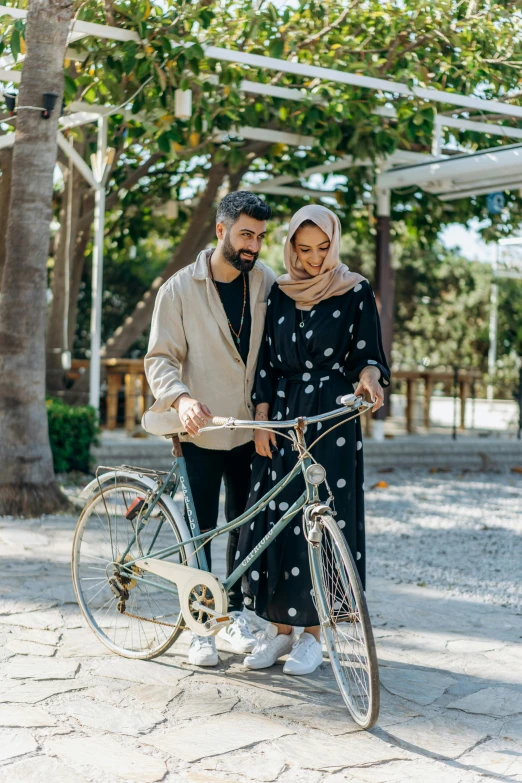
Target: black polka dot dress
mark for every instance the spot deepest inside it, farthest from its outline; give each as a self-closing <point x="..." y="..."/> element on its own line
<point x="307" y="361"/>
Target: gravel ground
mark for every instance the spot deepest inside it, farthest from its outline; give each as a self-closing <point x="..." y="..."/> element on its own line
<point x="460" y="532"/>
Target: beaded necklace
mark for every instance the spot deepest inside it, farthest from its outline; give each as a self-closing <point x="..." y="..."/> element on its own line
<point x="237" y="334"/>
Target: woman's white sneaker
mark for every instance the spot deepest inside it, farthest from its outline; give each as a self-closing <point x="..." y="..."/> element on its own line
<point x="270" y="646"/>
<point x="238" y="634"/>
<point x="305" y="657"/>
<point x="202" y="651"/>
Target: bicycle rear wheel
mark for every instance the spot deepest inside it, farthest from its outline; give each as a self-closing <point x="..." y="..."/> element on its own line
<point x="345" y="621"/>
<point x="151" y="620"/>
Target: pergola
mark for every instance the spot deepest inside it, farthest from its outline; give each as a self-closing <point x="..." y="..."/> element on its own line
<point x="449" y="177"/>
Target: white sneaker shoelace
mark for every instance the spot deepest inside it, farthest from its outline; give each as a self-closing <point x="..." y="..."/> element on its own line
<point x="301" y="645"/>
<point x="265" y="640"/>
<point x="240" y="627"/>
<point x="201" y="642"/>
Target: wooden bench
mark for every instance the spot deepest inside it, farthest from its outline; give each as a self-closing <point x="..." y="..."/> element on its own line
<point x="126" y="374"/>
<point x="465" y="381"/>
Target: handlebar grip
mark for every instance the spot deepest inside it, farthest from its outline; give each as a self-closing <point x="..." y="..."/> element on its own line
<point x="219" y="421"/>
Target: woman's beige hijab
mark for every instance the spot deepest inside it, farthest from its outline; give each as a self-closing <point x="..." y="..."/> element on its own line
<point x="334" y="279"/>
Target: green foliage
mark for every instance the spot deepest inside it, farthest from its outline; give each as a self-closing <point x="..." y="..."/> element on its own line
<point x="72" y="432"/>
<point x="474" y="48"/>
<point x="442" y="306"/>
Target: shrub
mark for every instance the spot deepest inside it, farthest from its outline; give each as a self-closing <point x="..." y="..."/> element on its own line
<point x="73" y="429"/>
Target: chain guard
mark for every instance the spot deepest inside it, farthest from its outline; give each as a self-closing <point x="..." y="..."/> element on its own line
<point x="188" y="580"/>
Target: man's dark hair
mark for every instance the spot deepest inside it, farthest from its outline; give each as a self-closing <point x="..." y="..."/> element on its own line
<point x="241" y="202"/>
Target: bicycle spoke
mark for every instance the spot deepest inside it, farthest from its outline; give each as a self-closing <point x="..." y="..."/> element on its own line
<point x="103" y="536"/>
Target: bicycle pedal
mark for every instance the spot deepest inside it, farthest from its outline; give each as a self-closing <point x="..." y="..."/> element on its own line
<point x="218" y="622"/>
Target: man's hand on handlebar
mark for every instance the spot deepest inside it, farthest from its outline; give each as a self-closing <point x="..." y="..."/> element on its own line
<point x="194" y="415"/>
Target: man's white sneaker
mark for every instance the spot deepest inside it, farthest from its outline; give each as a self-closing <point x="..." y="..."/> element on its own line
<point x="238" y="634"/>
<point x="306" y="656"/>
<point x="203" y="651"/>
<point x="270" y="646"/>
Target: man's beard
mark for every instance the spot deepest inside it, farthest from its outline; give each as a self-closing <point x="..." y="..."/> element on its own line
<point x="233" y="256"/>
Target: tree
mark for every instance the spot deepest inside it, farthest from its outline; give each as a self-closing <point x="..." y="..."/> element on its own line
<point x="468" y="48"/>
<point x="6" y="158"/>
<point x="430" y="44"/>
<point x="27" y="483"/>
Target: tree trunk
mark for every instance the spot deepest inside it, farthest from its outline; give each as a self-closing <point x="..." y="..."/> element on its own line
<point x="27" y="482"/>
<point x="6" y="160"/>
<point x="58" y="324"/>
<point x="200" y="231"/>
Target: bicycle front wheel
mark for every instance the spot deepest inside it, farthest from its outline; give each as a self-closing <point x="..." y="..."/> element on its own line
<point x="345" y="621"/>
<point x="149" y="620"/>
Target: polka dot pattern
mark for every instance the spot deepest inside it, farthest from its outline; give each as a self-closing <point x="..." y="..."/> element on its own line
<point x="314" y="360"/>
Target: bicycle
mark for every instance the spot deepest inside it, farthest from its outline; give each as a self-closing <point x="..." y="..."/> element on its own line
<point x="140" y="573"/>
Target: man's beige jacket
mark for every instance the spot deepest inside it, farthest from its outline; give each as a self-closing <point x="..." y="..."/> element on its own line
<point x="191" y="349"/>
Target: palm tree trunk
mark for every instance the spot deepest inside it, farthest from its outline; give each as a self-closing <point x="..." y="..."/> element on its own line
<point x="6" y="159"/>
<point x="27" y="482"/>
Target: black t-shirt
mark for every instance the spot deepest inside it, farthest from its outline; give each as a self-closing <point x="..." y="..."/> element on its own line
<point x="231" y="295"/>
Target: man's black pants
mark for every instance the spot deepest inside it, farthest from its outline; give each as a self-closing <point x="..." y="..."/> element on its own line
<point x="206" y="468"/>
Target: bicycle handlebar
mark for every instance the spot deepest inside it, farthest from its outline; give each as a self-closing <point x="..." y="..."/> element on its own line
<point x="350" y="403"/>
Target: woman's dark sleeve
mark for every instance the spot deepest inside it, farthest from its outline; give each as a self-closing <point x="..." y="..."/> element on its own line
<point x="265" y="381"/>
<point x="365" y="348"/>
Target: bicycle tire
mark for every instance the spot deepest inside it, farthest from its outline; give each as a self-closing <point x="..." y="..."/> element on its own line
<point x="142" y="646"/>
<point x="340" y="601"/>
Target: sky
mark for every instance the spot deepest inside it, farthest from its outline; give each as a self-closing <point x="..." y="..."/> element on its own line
<point x="469" y="241"/>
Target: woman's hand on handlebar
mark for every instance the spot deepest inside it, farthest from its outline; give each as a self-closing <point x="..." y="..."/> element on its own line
<point x="262" y="438"/>
<point x="369" y="381"/>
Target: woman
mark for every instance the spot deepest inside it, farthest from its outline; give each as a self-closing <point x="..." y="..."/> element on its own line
<point x="322" y="335"/>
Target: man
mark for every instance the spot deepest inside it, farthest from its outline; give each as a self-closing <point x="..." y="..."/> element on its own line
<point x="205" y="336"/>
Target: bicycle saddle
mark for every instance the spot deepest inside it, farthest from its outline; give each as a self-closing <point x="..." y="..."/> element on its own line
<point x="166" y="423"/>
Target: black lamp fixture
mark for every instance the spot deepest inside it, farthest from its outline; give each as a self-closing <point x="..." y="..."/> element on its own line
<point x="10" y="101"/>
<point x="49" y="102"/>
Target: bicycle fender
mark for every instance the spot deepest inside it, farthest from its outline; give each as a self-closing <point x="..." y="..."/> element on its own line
<point x="94" y="485"/>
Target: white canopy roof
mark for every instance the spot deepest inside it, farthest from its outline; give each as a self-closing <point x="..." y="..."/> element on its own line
<point x="458" y="176"/>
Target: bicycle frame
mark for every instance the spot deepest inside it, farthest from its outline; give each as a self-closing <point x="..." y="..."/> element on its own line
<point x="178" y="474"/>
<point x="179" y="469"/>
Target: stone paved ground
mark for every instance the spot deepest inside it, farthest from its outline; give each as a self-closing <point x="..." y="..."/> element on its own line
<point x="71" y="712"/>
